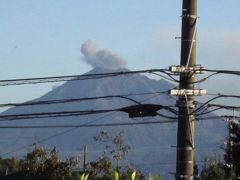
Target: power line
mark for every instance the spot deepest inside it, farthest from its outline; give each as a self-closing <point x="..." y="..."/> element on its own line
<point x="214" y="73"/>
<point x="217" y="107"/>
<point x="233" y="72"/>
<point x="218" y="96"/>
<point x="170" y="78"/>
<point x="57" y="101"/>
<point x="109" y="124"/>
<point x="75" y="77"/>
<point x="141" y="109"/>
<point x="52" y="136"/>
<point x="61" y="133"/>
<point x="52" y="114"/>
<point x="23" y="81"/>
<point x="224" y="106"/>
<point x="89" y="125"/>
<point x="61" y="114"/>
<point x="85" y="125"/>
<point x="88" y="112"/>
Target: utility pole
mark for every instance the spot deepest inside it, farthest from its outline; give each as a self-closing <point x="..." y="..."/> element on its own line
<point x="186" y="117"/>
<point x="84" y="157"/>
<point x="187" y="92"/>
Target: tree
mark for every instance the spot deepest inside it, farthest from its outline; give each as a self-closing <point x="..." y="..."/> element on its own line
<point x="213" y="172"/>
<point x="214" y="169"/>
<point x="115" y="147"/>
<point x="42" y="164"/>
<point x="232" y="151"/>
<point x="10" y="166"/>
<point x="115" y="150"/>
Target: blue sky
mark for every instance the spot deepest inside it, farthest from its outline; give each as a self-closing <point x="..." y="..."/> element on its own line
<point x="43" y="38"/>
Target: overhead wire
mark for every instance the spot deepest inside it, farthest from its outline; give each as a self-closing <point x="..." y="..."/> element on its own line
<point x="96" y="76"/>
<point x="233" y="72"/>
<point x="89" y="125"/>
<point x="217" y="107"/>
<point x="78" y="112"/>
<point x="224" y="106"/>
<point x="214" y="98"/>
<point x="216" y="72"/>
<point x="171" y="78"/>
<point x="12" y="117"/>
<point x="57" y="101"/>
<point x="15" y="117"/>
<point x="111" y="124"/>
<point x="106" y="75"/>
<point x="52" y="136"/>
<point x="207" y="112"/>
<point x="75" y="77"/>
<point x="63" y="132"/>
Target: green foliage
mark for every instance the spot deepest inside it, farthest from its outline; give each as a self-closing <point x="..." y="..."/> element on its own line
<point x="84" y="176"/>
<point x="127" y="176"/>
<point x="76" y="176"/>
<point x="214" y="169"/>
<point x="213" y="172"/>
<point x="130" y="174"/>
<point x="157" y="177"/>
<point x="42" y="164"/>
<point x="115" y="150"/>
<point x="102" y="168"/>
<point x="115" y="175"/>
<point x="10" y="166"/>
<point x="232" y="150"/>
<point x="37" y="165"/>
<point x="133" y="175"/>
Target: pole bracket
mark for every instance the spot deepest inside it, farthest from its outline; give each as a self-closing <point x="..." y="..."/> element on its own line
<point x="193" y="16"/>
<point x="183" y="69"/>
<point x="181" y="176"/>
<point x="181" y="162"/>
<point x="189" y="104"/>
<point x="185" y="148"/>
<point x="187" y="92"/>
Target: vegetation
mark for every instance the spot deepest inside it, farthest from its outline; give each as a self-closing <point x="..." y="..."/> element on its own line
<point x="232" y="151"/>
<point x="45" y="164"/>
<point x="41" y="163"/>
<point x="215" y="169"/>
<point x="115" y="151"/>
<point x="10" y="166"/>
<point x="37" y="165"/>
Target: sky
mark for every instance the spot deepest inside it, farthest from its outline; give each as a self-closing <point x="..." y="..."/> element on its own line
<point x="46" y="38"/>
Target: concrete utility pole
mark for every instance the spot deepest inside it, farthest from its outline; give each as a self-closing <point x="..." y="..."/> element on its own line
<point x="186" y="104"/>
<point x="187" y="92"/>
<point x="84" y="157"/>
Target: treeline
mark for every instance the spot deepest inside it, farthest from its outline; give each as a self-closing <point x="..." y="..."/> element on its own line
<point x="41" y="163"/>
<point x="229" y="168"/>
<point x="45" y="164"/>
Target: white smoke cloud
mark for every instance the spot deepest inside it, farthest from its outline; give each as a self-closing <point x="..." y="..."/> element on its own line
<point x="101" y="57"/>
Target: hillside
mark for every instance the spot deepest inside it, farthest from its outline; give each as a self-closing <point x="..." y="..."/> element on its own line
<point x="151" y="144"/>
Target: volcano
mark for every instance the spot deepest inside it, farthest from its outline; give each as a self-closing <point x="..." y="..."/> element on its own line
<point x="152" y="145"/>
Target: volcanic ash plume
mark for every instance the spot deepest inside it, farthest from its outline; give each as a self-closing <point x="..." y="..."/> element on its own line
<point x="101" y="57"/>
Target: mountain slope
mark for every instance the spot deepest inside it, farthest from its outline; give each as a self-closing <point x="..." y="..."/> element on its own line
<point x="151" y="144"/>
